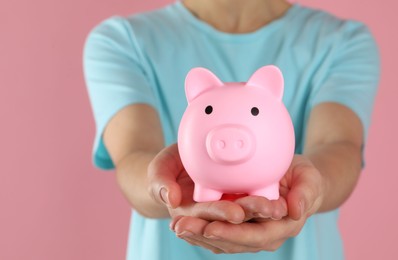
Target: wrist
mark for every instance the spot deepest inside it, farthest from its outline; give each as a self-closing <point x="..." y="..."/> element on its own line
<point x="321" y="187"/>
<point x="131" y="174"/>
<point x="339" y="166"/>
<point x="323" y="190"/>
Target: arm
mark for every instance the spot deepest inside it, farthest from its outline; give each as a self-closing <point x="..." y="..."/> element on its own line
<point x="330" y="165"/>
<point x="334" y="142"/>
<point x="133" y="137"/>
<point x="151" y="178"/>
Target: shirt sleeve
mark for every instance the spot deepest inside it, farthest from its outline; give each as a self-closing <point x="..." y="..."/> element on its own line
<point x="114" y="77"/>
<point x="353" y="75"/>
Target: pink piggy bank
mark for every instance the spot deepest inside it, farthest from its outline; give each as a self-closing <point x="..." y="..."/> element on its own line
<point x="235" y="137"/>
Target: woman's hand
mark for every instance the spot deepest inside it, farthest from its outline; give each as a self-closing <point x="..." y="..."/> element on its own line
<point x="169" y="184"/>
<point x="302" y="188"/>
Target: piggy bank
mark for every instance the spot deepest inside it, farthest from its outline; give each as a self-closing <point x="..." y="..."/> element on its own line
<point x="235" y="137"/>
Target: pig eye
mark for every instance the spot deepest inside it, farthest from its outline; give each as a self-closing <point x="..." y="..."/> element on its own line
<point x="255" y="111"/>
<point x="208" y="110"/>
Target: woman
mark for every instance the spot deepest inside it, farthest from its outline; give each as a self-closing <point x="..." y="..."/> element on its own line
<point x="135" y="69"/>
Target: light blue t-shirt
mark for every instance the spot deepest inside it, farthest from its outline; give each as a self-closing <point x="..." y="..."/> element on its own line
<point x="144" y="58"/>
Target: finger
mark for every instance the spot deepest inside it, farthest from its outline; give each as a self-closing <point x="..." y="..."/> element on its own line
<point x="191" y="229"/>
<point x="194" y="230"/>
<point x="255" y="207"/>
<point x="196" y="242"/>
<point x="212" y="211"/>
<point x="261" y="207"/>
<point x="218" y="210"/>
<point x="305" y="191"/>
<point x="263" y="235"/>
<point x="218" y="246"/>
<point x="245" y="234"/>
<point x="188" y="228"/>
<point x="280" y="208"/>
<point x="190" y="225"/>
<point x="173" y="222"/>
<point x="162" y="175"/>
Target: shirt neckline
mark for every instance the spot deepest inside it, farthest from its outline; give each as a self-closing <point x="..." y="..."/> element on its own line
<point x="234" y="37"/>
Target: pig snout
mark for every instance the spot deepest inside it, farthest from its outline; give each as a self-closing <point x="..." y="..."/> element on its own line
<point x="230" y="144"/>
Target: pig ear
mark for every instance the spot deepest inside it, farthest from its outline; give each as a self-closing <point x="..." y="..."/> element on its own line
<point x="199" y="80"/>
<point x="269" y="77"/>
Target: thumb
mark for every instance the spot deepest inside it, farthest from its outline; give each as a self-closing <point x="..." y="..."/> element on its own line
<point x="304" y="196"/>
<point x="162" y="177"/>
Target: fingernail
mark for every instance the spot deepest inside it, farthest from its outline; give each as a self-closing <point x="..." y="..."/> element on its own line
<point x="185" y="234"/>
<point x="275" y="218"/>
<point x="302" y="208"/>
<point x="259" y="215"/>
<point x="277" y="215"/>
<point x="212" y="237"/>
<point x="164" y="195"/>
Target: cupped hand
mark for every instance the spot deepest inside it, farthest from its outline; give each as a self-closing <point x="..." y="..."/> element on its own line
<point x="170" y="185"/>
<point x="302" y="188"/>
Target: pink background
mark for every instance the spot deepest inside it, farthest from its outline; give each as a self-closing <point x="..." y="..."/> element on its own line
<point x="55" y="205"/>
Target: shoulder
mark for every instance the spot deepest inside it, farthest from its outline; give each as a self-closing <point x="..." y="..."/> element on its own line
<point x="138" y="29"/>
<point x="114" y="28"/>
<point x="317" y="36"/>
<point x="112" y="34"/>
<point x="329" y="27"/>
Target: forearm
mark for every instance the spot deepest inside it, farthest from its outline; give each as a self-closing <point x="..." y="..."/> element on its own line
<point x="131" y="174"/>
<point x="133" y="137"/>
<point x="340" y="165"/>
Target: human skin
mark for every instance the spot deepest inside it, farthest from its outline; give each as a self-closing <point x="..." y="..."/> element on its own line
<point x="154" y="182"/>
<point x="319" y="180"/>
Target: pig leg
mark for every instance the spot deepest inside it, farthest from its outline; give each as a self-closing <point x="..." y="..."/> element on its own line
<point x="204" y="194"/>
<point x="271" y="192"/>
